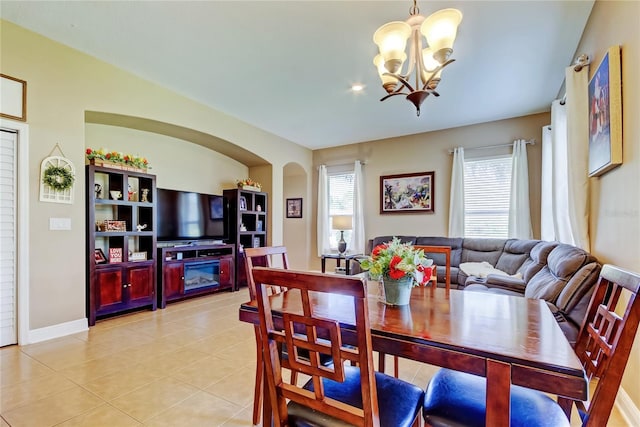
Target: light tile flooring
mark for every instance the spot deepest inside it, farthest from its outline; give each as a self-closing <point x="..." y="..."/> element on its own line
<point x="191" y="364"/>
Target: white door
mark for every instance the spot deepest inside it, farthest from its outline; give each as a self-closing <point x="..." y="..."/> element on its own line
<point x="8" y="239"/>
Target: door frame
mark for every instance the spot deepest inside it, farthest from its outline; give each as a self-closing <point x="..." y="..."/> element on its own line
<point x="22" y="232"/>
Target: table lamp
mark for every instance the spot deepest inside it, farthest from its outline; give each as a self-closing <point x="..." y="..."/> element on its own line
<point x="342" y="223"/>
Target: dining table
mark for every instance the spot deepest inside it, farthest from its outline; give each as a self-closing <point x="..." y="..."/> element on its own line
<point x="506" y="339"/>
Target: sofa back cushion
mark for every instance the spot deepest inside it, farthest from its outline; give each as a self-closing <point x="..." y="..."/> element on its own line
<point x="563" y="262"/>
<point x="514" y="255"/>
<point x="537" y="259"/>
<point x="578" y="286"/>
<point x="455" y="243"/>
<point x="478" y="250"/>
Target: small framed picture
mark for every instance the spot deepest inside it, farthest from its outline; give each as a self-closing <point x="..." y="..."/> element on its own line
<point x="259" y="225"/>
<point x="243" y="203"/>
<point x="294" y="208"/>
<point x="115" y="255"/>
<point x="99" y="255"/>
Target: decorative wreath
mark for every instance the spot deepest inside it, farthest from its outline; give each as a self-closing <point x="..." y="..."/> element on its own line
<point x="58" y="178"/>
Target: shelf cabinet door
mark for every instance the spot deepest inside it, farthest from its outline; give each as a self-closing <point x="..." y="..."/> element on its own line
<point x="226" y="271"/>
<point x="140" y="284"/>
<point x="173" y="280"/>
<point x="109" y="290"/>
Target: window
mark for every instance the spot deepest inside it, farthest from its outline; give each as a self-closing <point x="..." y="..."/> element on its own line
<point x="341" y="189"/>
<point x="487" y="186"/>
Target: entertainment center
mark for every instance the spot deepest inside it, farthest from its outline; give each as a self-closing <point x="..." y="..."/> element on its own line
<point x="152" y="246"/>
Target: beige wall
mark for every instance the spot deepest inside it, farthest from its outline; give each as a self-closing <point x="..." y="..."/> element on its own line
<point x="615" y="197"/>
<point x="62" y="86"/>
<point x="430" y="152"/>
<point x="177" y="164"/>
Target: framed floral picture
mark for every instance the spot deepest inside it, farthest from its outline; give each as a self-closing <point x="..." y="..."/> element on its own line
<point x="605" y="114"/>
<point x="406" y="193"/>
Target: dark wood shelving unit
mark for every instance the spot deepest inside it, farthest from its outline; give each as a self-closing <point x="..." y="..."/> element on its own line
<point x="247" y="222"/>
<point x="115" y="286"/>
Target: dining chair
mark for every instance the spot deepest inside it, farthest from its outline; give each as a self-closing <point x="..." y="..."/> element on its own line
<point x="264" y="256"/>
<point x="603" y="346"/>
<point x="340" y="393"/>
<point x="446" y="250"/>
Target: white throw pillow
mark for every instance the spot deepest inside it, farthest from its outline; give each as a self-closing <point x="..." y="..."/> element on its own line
<point x="480" y="269"/>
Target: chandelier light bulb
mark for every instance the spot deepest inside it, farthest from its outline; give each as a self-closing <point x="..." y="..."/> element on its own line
<point x="391" y="39"/>
<point x="440" y="30"/>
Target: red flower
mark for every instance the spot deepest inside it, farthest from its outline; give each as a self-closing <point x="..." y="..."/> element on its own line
<point x="88" y="150"/>
<point x="394" y="273"/>
<point x="376" y="251"/>
<point x="108" y="155"/>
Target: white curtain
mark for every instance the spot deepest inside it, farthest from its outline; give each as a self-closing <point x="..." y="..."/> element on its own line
<point x="456" y="204"/>
<point x="519" y="213"/>
<point x="565" y="165"/>
<point x="323" y="212"/>
<point x="357" y="244"/>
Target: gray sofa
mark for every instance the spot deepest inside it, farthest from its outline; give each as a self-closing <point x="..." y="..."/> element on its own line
<point x="561" y="274"/>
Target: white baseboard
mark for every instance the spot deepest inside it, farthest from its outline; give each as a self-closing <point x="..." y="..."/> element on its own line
<point x="627" y="408"/>
<point x="57" y="331"/>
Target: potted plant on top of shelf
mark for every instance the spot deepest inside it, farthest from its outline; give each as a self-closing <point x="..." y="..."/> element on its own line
<point x="249" y="184"/>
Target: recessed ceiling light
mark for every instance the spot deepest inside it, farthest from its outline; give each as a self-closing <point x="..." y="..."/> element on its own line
<point x="357" y="87"/>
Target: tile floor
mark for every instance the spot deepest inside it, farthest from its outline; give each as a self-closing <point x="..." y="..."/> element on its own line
<point x="191" y="364"/>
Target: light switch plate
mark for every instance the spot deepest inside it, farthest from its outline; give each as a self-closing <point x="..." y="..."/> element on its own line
<point x="59" y="223"/>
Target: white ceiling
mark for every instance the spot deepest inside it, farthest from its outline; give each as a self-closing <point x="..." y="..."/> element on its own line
<point x="287" y="66"/>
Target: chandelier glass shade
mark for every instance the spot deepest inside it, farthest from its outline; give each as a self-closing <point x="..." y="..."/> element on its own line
<point x="425" y="60"/>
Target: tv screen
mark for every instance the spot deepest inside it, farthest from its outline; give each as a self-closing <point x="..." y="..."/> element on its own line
<point x="184" y="215"/>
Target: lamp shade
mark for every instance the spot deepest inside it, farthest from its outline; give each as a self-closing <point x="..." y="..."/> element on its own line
<point x="342" y="222"/>
<point x="440" y="29"/>
<point x="391" y="39"/>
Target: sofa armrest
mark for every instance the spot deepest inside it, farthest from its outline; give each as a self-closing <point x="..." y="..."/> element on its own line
<point x="505" y="282"/>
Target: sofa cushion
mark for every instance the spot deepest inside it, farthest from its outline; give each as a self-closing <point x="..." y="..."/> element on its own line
<point x="478" y="287"/>
<point x="515" y="253"/>
<point x="478" y="250"/>
<point x="537" y="259"/>
<point x="509" y="283"/>
<point x="563" y="262"/>
<point x="579" y="285"/>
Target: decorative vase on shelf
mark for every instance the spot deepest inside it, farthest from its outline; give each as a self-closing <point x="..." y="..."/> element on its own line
<point x="397" y="291"/>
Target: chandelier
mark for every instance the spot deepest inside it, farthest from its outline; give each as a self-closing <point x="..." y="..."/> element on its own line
<point x="439" y="29"/>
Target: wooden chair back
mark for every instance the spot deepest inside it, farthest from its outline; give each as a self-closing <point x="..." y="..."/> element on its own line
<point x="265" y="257"/>
<point x="297" y="325"/>
<point x="605" y="340"/>
<point x="443" y="250"/>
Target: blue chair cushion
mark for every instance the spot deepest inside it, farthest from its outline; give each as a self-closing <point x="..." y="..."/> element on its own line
<point x="458" y="399"/>
<point x="398" y="401"/>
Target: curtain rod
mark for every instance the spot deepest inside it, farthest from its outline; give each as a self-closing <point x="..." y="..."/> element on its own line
<point x="341" y="164"/>
<point x="530" y="142"/>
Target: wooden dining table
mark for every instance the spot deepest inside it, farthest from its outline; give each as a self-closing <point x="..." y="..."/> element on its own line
<point x="507" y="339"/>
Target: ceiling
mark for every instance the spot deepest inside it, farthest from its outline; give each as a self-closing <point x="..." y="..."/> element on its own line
<point x="287" y="66"/>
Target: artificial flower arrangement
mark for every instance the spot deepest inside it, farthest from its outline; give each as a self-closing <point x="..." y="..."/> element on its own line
<point x="249" y="183"/>
<point x="396" y="260"/>
<point x="117" y="157"/>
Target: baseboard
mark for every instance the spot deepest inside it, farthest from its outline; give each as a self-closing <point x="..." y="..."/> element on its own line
<point x="627" y="408"/>
<point x="57" y="331"/>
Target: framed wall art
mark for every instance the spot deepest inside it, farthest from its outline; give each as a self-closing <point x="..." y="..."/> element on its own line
<point x="13" y="98"/>
<point x="408" y="192"/>
<point x="605" y="114"/>
<point x="294" y="208"/>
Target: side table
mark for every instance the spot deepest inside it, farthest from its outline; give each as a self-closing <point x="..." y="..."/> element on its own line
<point x="338" y="257"/>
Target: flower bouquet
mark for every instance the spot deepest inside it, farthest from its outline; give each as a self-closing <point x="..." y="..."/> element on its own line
<point x="398" y="265"/>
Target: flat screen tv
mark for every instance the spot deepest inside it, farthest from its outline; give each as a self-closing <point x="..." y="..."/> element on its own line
<point x="185" y="215"/>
